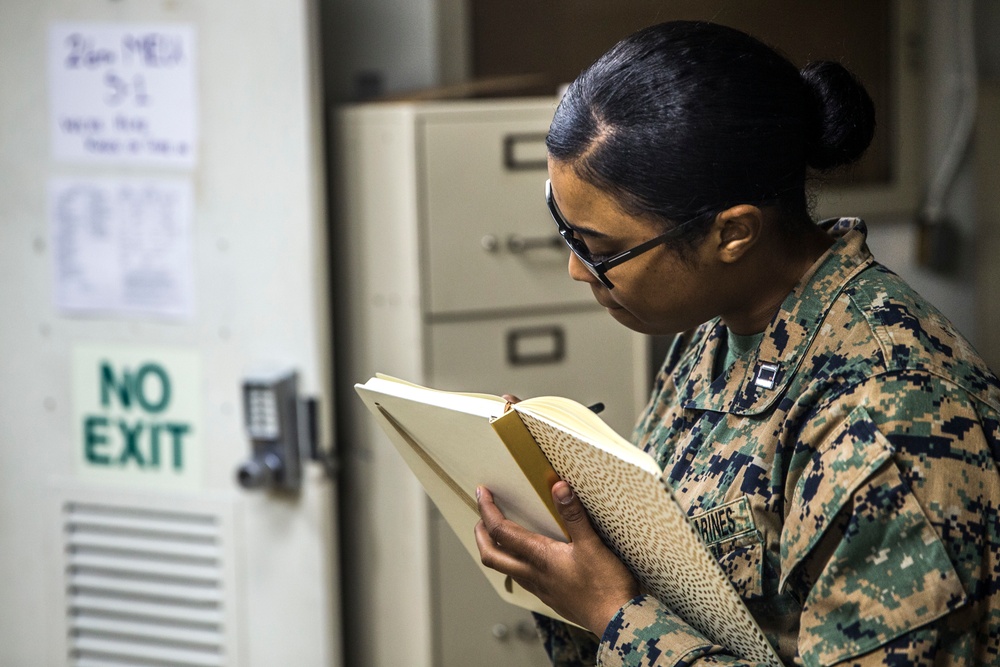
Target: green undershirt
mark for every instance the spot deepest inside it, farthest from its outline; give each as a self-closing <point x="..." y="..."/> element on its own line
<point x="735" y="347"/>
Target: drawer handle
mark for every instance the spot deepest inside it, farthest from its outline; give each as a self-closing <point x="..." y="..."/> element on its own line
<point x="525" y="151"/>
<point x="521" y="244"/>
<point x="536" y="345"/>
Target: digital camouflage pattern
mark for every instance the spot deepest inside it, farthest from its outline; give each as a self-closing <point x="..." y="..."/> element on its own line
<point x="845" y="474"/>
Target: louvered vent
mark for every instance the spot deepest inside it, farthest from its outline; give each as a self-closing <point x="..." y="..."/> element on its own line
<point x="144" y="587"/>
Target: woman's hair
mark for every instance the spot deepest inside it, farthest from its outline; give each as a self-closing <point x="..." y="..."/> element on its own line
<point x="684" y="119"/>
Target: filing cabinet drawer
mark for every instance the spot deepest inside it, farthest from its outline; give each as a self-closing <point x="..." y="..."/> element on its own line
<point x="475" y="626"/>
<point x="586" y="356"/>
<point x="488" y="237"/>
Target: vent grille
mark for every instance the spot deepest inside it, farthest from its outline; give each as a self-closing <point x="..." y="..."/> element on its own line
<point x="144" y="587"/>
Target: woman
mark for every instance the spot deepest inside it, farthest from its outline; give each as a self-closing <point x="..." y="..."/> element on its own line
<point x="808" y="386"/>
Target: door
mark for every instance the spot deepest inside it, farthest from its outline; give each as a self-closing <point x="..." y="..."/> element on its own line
<point x="162" y="242"/>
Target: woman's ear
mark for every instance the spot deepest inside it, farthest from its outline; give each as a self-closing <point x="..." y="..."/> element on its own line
<point x="736" y="230"/>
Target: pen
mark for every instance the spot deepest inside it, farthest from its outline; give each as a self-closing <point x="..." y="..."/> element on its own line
<point x="596" y="408"/>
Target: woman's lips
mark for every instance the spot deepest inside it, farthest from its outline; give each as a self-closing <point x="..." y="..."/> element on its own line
<point x="600" y="301"/>
<point x="599" y="293"/>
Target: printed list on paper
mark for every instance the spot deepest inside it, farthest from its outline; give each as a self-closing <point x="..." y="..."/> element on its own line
<point x="122" y="247"/>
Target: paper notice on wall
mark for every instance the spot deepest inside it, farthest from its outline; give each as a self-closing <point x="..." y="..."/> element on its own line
<point x="123" y="93"/>
<point x="122" y="247"/>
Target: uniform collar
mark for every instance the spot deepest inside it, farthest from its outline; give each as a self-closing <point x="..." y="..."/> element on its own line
<point x="751" y="385"/>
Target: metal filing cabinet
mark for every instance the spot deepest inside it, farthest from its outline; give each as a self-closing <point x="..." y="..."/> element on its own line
<point x="451" y="274"/>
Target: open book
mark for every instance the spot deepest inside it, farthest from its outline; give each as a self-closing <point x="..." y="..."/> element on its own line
<point x="456" y="441"/>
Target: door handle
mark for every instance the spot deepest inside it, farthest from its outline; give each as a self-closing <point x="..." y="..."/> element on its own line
<point x="526" y="151"/>
<point x="522" y="244"/>
<point x="536" y="345"/>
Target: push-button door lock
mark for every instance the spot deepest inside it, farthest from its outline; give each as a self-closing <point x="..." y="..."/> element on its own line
<point x="282" y="431"/>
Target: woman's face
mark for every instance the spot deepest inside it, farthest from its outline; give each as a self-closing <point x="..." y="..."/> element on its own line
<point x="656" y="292"/>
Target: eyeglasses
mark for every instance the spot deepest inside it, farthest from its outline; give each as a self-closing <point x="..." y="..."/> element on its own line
<point x="600" y="267"/>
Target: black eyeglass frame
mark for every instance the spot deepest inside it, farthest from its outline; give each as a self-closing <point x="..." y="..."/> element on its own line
<point x="579" y="248"/>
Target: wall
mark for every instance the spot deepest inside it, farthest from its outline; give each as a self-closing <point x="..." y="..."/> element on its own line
<point x="894" y="241"/>
<point x="378" y="46"/>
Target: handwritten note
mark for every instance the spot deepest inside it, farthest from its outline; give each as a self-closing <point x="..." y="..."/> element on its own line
<point x="123" y="94"/>
<point x="122" y="247"/>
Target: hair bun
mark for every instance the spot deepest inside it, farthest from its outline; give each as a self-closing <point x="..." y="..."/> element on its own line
<point x="844" y="115"/>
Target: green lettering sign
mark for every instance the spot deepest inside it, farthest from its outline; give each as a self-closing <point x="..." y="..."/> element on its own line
<point x="131" y="441"/>
<point x="110" y="386"/>
<point x="178" y="431"/>
<point x="93" y="438"/>
<point x="131" y="386"/>
<point x="137" y="421"/>
<point x="140" y="385"/>
<point x="154" y="446"/>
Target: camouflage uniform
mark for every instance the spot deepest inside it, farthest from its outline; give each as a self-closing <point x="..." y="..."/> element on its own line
<point x="845" y="475"/>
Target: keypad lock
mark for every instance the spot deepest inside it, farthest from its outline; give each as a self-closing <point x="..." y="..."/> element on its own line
<point x="279" y="425"/>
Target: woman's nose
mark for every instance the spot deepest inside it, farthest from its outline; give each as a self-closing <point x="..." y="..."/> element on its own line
<point x="579" y="271"/>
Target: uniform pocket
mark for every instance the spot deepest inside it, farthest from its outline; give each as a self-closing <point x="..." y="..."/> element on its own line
<point x="853" y="453"/>
<point x="731" y="535"/>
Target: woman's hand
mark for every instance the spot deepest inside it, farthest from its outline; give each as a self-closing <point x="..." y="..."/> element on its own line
<point x="583" y="580"/>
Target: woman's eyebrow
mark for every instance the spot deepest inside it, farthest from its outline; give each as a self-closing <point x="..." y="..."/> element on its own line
<point x="587" y="231"/>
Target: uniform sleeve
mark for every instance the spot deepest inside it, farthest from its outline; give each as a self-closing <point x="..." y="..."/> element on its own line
<point x="645" y="633"/>
<point x="566" y="645"/>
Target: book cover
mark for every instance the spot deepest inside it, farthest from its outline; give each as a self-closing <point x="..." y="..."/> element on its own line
<point x="454" y="442"/>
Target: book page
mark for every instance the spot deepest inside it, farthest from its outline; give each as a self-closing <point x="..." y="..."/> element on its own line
<point x="456" y="446"/>
<point x="579" y="419"/>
